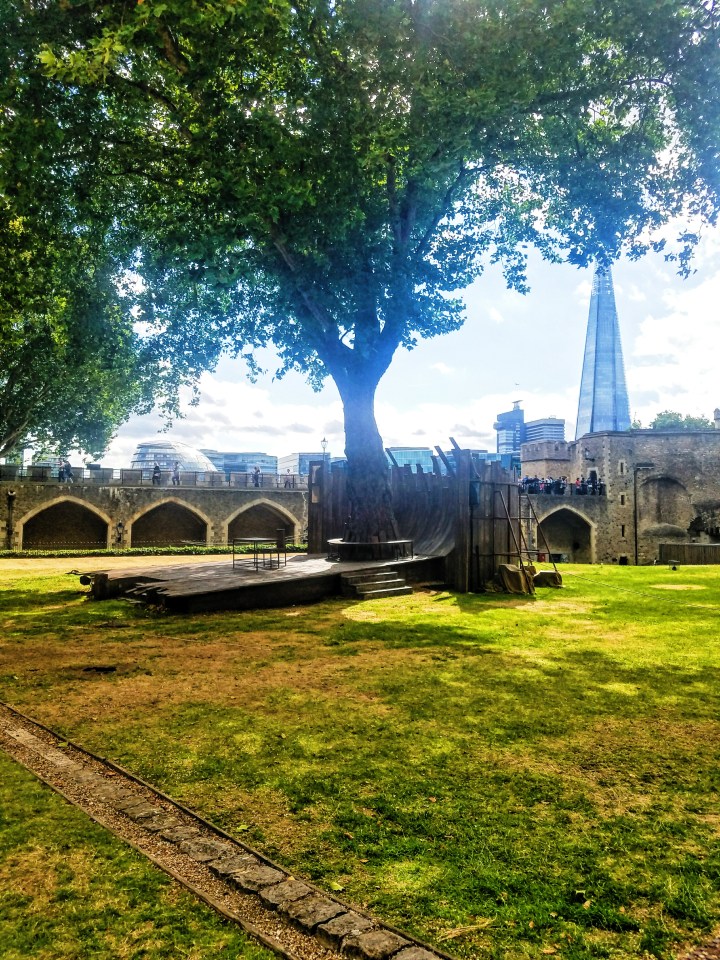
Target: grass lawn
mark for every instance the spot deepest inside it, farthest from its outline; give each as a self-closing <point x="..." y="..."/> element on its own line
<point x="502" y="776"/>
<point x="69" y="890"/>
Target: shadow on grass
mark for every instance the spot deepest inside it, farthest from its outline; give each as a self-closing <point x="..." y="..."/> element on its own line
<point x="455" y="768"/>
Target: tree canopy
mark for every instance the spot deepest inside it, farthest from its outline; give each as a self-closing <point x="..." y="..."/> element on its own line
<point x="328" y="176"/>
<point x="671" y="420"/>
<point x="71" y="367"/>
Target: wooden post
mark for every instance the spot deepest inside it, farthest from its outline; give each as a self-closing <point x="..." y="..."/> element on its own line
<point x="460" y="557"/>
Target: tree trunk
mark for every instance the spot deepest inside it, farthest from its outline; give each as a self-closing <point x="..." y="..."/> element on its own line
<point x="371" y="518"/>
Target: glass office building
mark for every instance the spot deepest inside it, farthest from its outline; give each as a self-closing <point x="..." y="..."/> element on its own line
<point x="299" y="463"/>
<point x="412" y="456"/>
<point x="166" y="452"/>
<point x="604" y="403"/>
<point x="549" y="428"/>
<point x="242" y="461"/>
<point x="510" y="428"/>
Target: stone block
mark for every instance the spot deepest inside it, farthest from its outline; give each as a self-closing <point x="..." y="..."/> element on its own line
<point x="227" y="865"/>
<point x="256" y="877"/>
<point x="161" y="822"/>
<point x="281" y="894"/>
<point x="175" y="834"/>
<point x="205" y="850"/>
<point x="415" y="953"/>
<point x="349" y="924"/>
<point x="112" y="792"/>
<point x="85" y="776"/>
<point x="374" y="945"/>
<point x="128" y="802"/>
<point x="143" y="811"/>
<point x="311" y="911"/>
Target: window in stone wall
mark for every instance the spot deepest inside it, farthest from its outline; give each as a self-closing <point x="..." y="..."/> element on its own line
<point x="622" y="530"/>
<point x="621" y="467"/>
<point x="622" y="499"/>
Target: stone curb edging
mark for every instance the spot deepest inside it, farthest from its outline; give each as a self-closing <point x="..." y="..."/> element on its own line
<point x="336" y="925"/>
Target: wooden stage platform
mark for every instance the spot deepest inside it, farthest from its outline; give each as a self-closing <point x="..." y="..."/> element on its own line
<point x="196" y="587"/>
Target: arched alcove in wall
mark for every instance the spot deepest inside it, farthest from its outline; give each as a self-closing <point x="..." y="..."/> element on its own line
<point x="663" y="500"/>
<point x="66" y="524"/>
<point x="260" y="520"/>
<point x="568" y="534"/>
<point x="169" y="524"/>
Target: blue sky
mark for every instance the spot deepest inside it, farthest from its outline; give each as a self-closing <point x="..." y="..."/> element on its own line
<point x="512" y="347"/>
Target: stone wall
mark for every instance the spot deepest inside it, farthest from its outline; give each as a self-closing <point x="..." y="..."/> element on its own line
<point x="51" y="514"/>
<point x="660" y="487"/>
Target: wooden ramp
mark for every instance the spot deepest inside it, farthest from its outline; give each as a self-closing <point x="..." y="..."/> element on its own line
<point x="196" y="587"/>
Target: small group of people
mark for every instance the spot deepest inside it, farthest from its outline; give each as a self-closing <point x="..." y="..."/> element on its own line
<point x="544" y="485"/>
<point x="65" y="472"/>
<point x="593" y="485"/>
<point x="174" y="476"/>
<point x="558" y="485"/>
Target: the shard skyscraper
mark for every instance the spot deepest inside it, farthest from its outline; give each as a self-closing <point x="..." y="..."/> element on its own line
<point x="603" y="393"/>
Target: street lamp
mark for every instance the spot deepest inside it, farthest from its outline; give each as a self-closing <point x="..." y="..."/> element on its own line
<point x="636" y="469"/>
<point x="323" y="444"/>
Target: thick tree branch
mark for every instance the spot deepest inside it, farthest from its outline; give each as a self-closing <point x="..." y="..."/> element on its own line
<point x="157" y="95"/>
<point x="172" y="51"/>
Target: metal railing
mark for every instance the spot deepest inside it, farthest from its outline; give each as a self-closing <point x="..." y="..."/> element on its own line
<point x="557" y="488"/>
<point x="136" y="477"/>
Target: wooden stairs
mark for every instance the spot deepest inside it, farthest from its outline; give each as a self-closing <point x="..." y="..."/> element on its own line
<point x="370" y="584"/>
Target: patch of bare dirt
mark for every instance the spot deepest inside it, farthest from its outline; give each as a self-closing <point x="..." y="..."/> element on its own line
<point x="55" y="565"/>
<point x="677" y="586"/>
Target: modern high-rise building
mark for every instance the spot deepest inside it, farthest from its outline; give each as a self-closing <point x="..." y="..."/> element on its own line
<point x="510" y="428"/>
<point x="548" y="428"/>
<point x="604" y="401"/>
<point x="513" y="431"/>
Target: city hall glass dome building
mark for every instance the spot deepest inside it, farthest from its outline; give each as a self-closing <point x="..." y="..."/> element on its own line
<point x="166" y="452"/>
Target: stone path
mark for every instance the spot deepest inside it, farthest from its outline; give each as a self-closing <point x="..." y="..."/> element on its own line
<point x="290" y="916"/>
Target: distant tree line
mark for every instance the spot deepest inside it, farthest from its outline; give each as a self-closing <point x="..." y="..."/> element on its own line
<point x="672" y="420"/>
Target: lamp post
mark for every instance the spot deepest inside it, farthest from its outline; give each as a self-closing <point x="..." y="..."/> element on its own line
<point x="636" y="469"/>
<point x="323" y="444"/>
<point x="10" y="496"/>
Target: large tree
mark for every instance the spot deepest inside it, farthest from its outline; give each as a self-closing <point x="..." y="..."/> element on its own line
<point x="71" y="366"/>
<point x="326" y="176"/>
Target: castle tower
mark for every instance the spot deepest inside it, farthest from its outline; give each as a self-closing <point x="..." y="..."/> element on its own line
<point x="603" y="394"/>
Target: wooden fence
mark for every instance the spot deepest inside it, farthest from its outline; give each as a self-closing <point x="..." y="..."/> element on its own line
<point x="690" y="553"/>
<point x="469" y="516"/>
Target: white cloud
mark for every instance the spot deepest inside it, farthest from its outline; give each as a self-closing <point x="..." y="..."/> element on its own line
<point x="240" y="416"/>
<point x="675" y="349"/>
